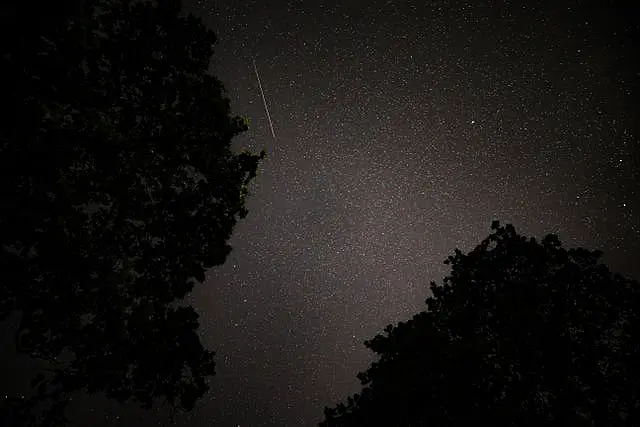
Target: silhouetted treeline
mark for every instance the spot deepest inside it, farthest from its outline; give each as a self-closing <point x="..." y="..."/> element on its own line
<point x="119" y="189"/>
<point x="521" y="333"/>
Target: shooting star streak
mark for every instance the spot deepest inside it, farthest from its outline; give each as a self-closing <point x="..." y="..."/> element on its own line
<point x="264" y="100"/>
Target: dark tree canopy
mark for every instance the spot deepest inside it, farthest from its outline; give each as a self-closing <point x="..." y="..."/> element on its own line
<point x="119" y="189"/>
<point x="522" y="333"/>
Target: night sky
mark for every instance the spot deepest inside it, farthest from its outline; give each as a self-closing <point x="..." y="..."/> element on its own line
<point x="403" y="128"/>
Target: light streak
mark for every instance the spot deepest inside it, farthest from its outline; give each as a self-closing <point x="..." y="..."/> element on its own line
<point x="264" y="100"/>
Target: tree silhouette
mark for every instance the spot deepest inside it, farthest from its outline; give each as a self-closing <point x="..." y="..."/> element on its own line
<point x="522" y="333"/>
<point x="119" y="189"/>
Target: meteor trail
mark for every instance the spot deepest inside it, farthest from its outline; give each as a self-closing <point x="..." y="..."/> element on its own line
<point x="266" y="109"/>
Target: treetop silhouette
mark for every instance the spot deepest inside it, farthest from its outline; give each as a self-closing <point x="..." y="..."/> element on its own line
<point x="119" y="190"/>
<point x="522" y="332"/>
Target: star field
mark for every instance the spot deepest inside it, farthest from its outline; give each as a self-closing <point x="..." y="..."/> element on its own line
<point x="403" y="128"/>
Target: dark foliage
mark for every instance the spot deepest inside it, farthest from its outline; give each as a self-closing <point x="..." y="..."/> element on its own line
<point x="119" y="189"/>
<point x="522" y="333"/>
